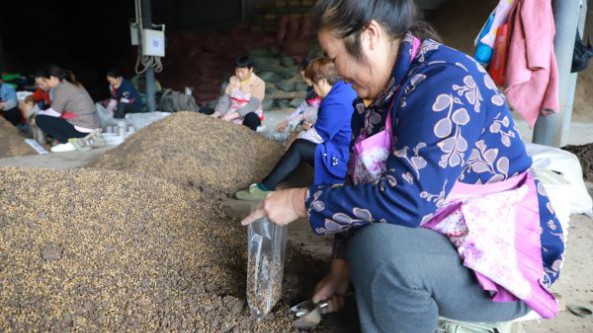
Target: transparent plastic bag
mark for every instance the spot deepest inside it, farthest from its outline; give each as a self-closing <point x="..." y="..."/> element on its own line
<point x="266" y="243"/>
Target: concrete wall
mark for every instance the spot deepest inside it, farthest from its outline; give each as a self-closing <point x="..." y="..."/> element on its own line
<point x="181" y="15"/>
<point x="198" y="14"/>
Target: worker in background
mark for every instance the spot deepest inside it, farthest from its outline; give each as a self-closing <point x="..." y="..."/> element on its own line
<point x="124" y="96"/>
<point x="305" y="115"/>
<point x="72" y="113"/>
<point x="243" y="97"/>
<point x="9" y="104"/>
<point x="325" y="145"/>
<point x="41" y="95"/>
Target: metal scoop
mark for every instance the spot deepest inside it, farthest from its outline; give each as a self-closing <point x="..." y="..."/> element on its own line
<point x="309" y="314"/>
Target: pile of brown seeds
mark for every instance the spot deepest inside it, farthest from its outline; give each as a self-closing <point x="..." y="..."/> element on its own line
<point x="198" y="151"/>
<point x="585" y="155"/>
<point x="95" y="250"/>
<point x="264" y="283"/>
<point x="11" y="142"/>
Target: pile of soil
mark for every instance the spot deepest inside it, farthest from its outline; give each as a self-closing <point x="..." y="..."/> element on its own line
<point x="585" y="155"/>
<point x="12" y="143"/>
<point x="95" y="250"/>
<point x="197" y="151"/>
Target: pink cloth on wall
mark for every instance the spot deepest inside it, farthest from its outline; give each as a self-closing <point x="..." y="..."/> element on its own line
<point x="532" y="72"/>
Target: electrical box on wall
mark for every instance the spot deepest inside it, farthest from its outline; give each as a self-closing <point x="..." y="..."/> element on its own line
<point x="153" y="43"/>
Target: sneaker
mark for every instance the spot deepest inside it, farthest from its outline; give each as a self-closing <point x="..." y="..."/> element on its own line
<point x="94" y="139"/>
<point x="253" y="193"/>
<point x="63" y="147"/>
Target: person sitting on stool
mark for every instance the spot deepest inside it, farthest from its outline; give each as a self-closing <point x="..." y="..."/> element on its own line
<point x="72" y="113"/>
<point x="124" y="96"/>
<point x="325" y="146"/>
<point x="242" y="101"/>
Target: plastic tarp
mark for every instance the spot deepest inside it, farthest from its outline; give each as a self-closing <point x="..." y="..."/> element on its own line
<point x="562" y="176"/>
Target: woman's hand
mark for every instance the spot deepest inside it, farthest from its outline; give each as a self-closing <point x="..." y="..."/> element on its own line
<point x="282" y="126"/>
<point x="281" y="207"/>
<point x="230" y="116"/>
<point x="306" y="126"/>
<point x="216" y="115"/>
<point x="333" y="286"/>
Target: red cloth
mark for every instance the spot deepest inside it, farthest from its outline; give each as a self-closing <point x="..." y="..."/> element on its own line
<point x="41" y="95"/>
<point x="69" y="115"/>
<point x="532" y="72"/>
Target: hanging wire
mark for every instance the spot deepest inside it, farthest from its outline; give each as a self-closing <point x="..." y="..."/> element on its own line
<point x="146" y="61"/>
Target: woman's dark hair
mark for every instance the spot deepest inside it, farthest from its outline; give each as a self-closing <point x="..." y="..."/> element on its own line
<point x="322" y="68"/>
<point x="114" y="73"/>
<point x="346" y="19"/>
<point x="244" y="62"/>
<point x="58" y="72"/>
<point x="305" y="63"/>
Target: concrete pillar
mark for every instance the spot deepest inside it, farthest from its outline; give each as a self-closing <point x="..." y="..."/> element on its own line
<point x="553" y="130"/>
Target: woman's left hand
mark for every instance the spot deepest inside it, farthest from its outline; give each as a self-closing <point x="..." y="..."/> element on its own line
<point x="230" y="116"/>
<point x="281" y="207"/>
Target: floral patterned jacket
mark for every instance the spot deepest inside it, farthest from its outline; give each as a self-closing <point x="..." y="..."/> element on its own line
<point x="450" y="123"/>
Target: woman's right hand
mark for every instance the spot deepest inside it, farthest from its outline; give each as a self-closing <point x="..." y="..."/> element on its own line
<point x="306" y="126"/>
<point x="333" y="286"/>
<point x="282" y="126"/>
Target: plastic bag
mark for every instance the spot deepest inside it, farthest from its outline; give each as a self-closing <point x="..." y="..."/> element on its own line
<point x="266" y="242"/>
<point x="581" y="55"/>
<point x="562" y="176"/>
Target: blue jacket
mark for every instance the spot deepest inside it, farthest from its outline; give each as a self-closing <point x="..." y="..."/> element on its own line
<point x="8" y="97"/>
<point x="127" y="91"/>
<point x="450" y="123"/>
<point x="333" y="126"/>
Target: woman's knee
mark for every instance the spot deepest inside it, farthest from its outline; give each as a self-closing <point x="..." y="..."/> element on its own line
<point x="252" y="121"/>
<point x="393" y="248"/>
<point x="304" y="148"/>
<point x="299" y="145"/>
<point x="42" y="121"/>
<point x="366" y="251"/>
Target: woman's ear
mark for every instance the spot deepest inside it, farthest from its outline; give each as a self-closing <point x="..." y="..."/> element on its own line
<point x="371" y="35"/>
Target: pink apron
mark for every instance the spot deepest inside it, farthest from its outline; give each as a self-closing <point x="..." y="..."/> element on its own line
<point x="239" y="100"/>
<point x="494" y="227"/>
<point x="369" y="154"/>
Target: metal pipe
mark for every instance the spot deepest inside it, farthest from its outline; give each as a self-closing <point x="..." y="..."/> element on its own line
<point x="2" y="60"/>
<point x="243" y="10"/>
<point x="553" y="130"/>
<point x="146" y="11"/>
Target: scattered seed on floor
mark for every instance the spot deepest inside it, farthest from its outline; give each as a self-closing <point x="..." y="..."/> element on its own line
<point x="11" y="142"/>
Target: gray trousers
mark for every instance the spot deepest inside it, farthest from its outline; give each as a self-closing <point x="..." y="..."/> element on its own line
<point x="405" y="278"/>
